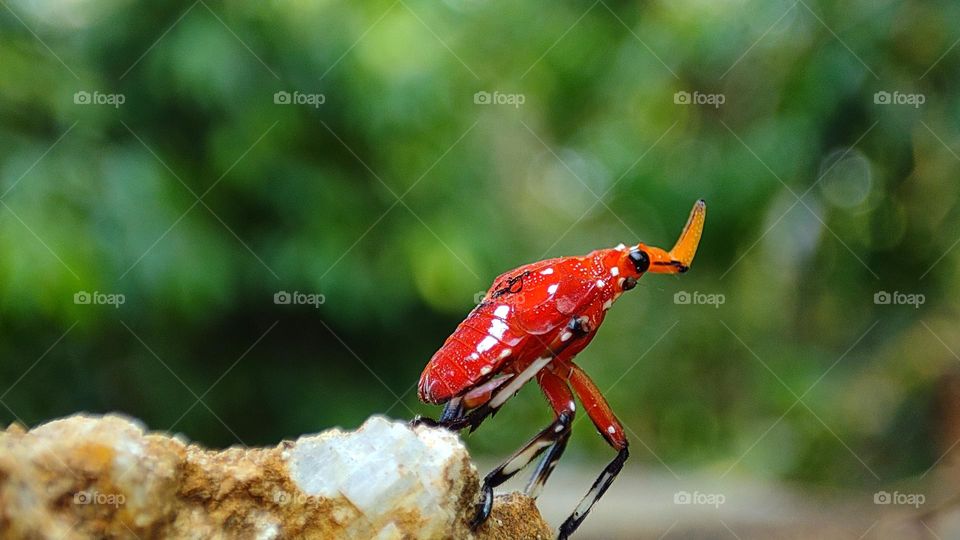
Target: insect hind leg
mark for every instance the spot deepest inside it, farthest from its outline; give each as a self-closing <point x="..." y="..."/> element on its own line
<point x="453" y="409"/>
<point x="465" y="410"/>
<point x="558" y="393"/>
<point x="473" y="418"/>
<point x="451" y="412"/>
<point x="553" y="437"/>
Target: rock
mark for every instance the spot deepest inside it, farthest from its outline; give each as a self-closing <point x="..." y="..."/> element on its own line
<point x="95" y="477"/>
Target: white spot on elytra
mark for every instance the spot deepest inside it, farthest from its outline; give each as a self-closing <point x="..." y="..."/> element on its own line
<point x="474" y="356"/>
<point x="620" y="247"/>
<point x="600" y="283"/>
<point x="614" y="271"/>
<point x="546" y="271"/>
<point x="505" y="353"/>
<point x="572" y="406"/>
<point x="607" y="304"/>
<point x="486" y="344"/>
<point x="611" y="430"/>
<point x="566" y="336"/>
<point x="484" y="370"/>
<point x="497" y="328"/>
<point x="501" y="311"/>
<point x="553" y="288"/>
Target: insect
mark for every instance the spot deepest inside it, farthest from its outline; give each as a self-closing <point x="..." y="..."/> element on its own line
<point x="530" y="324"/>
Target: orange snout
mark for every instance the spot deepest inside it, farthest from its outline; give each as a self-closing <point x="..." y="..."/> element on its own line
<point x="679" y="259"/>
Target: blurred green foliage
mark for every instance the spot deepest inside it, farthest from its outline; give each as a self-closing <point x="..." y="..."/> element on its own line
<point x="400" y="198"/>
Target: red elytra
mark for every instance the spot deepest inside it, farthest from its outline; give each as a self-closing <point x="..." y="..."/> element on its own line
<point x="530" y="324"/>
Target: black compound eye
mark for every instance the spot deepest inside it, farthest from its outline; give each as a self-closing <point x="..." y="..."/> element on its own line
<point x="640" y="260"/>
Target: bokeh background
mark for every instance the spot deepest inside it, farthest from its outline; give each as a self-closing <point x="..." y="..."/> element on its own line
<point x="390" y="158"/>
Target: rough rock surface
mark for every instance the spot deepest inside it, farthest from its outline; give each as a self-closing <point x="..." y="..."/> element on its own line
<point x="96" y="477"/>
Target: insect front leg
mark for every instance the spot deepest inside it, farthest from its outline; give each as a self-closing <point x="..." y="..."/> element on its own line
<point x="612" y="431"/>
<point x="554" y="437"/>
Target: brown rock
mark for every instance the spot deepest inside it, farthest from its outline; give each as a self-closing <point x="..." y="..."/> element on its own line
<point x="96" y="477"/>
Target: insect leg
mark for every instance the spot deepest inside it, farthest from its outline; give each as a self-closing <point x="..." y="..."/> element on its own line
<point x="473" y="418"/>
<point x="610" y="428"/>
<point x="457" y="408"/>
<point x="558" y="393"/>
<point x="553" y="436"/>
<point x="578" y="328"/>
<point x="451" y="411"/>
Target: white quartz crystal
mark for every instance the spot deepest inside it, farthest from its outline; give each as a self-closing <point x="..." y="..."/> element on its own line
<point x="385" y="469"/>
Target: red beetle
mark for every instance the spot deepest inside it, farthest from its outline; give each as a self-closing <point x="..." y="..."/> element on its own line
<point x="531" y="324"/>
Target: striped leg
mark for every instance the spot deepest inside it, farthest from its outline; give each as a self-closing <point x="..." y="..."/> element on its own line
<point x="603" y="418"/>
<point x="557" y="392"/>
<point x="545" y="467"/>
<point x="553" y="436"/>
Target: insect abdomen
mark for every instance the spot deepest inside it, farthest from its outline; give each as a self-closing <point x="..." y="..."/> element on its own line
<point x="474" y="352"/>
